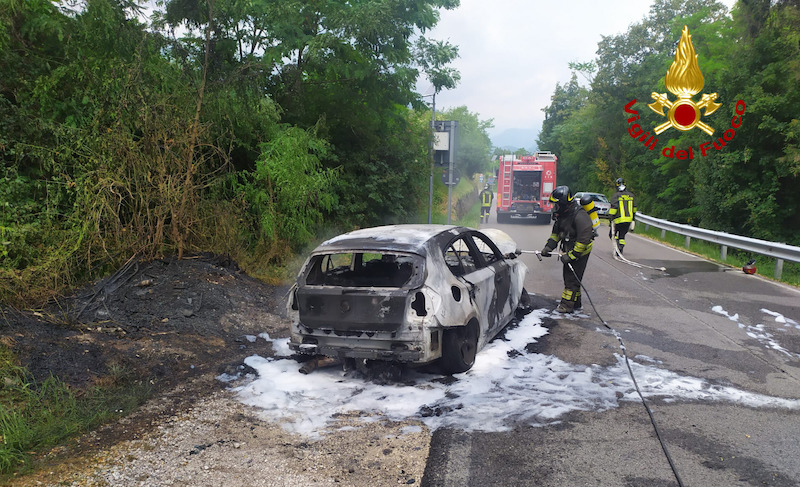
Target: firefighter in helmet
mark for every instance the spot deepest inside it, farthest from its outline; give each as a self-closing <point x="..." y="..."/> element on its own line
<point x="622" y="213"/>
<point x="486" y="198"/>
<point x="573" y="229"/>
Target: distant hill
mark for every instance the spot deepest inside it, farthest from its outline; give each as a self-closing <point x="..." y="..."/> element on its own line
<point x="513" y="139"/>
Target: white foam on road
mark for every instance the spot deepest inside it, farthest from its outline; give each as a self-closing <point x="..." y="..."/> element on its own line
<point x="779" y="318"/>
<point x="507" y="386"/>
<point x="761" y="333"/>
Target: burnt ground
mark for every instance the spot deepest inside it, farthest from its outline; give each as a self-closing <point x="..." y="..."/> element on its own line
<point x="162" y="323"/>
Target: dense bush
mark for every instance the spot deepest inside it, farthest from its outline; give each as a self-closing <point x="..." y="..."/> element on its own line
<point x="256" y="126"/>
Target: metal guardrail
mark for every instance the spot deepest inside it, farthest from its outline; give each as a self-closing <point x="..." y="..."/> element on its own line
<point x="779" y="251"/>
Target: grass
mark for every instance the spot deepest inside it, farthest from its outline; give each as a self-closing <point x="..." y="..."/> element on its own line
<point x="36" y="416"/>
<point x="472" y="218"/>
<point x="735" y="258"/>
<point x="439" y="212"/>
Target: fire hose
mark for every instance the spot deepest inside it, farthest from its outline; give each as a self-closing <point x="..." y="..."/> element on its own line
<point x="627" y="363"/>
<point x="618" y="255"/>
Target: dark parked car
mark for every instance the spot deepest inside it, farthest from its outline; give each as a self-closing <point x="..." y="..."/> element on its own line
<point x="600" y="202"/>
<point x="411" y="294"/>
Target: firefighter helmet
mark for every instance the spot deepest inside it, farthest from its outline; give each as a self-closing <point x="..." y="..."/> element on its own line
<point x="562" y="198"/>
<point x="620" y="181"/>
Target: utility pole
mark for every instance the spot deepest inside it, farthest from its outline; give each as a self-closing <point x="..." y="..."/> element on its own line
<point x="450" y="184"/>
<point x="433" y="157"/>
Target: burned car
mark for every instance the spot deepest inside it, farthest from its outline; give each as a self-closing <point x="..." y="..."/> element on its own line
<point x="410" y="294"/>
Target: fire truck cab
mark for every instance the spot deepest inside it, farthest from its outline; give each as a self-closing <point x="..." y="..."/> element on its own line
<point x="524" y="184"/>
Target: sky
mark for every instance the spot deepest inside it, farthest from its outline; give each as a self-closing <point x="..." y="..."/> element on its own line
<point x="513" y="52"/>
<point x="508" y="385"/>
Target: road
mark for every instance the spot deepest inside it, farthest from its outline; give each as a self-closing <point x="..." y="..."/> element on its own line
<point x="697" y="320"/>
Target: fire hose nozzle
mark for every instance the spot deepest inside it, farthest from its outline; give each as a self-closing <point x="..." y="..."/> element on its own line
<point x="537" y="252"/>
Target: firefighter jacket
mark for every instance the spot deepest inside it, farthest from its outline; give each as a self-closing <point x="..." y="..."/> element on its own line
<point x="573" y="229"/>
<point x="486" y="197"/>
<point x="623" y="207"/>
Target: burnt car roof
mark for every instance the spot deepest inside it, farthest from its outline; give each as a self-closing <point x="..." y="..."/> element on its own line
<point x="403" y="238"/>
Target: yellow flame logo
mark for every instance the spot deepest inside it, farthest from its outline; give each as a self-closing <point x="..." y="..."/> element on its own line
<point x="684" y="80"/>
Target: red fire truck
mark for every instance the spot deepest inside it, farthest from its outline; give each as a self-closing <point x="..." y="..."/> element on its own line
<point x="524" y="184"/>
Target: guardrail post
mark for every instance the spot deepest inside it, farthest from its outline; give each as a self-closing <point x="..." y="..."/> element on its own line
<point x="663" y="234"/>
<point x="723" y="253"/>
<point x="778" y="268"/>
<point x="688" y="240"/>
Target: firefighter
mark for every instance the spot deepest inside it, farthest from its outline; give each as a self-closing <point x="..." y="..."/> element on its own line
<point x="486" y="198"/>
<point x="573" y="228"/>
<point x="622" y="213"/>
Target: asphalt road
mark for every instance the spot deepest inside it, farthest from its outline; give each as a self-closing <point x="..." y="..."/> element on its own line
<point x="668" y="317"/>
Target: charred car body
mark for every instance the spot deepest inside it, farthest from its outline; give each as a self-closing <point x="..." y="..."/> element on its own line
<point x="406" y="293"/>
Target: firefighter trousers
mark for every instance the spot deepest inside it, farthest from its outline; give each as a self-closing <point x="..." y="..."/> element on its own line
<point x="620" y="230"/>
<point x="571" y="296"/>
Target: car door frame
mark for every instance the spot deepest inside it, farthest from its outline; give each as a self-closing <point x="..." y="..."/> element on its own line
<point x="478" y="284"/>
<point x="501" y="298"/>
<point x="482" y="282"/>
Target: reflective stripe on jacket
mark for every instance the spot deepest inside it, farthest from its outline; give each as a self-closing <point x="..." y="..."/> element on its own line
<point x="623" y="207"/>
<point x="486" y="197"/>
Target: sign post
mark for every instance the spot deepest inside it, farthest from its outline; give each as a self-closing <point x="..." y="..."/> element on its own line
<point x="444" y="141"/>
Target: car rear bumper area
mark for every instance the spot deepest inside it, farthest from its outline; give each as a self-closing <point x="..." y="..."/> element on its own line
<point x="397" y="352"/>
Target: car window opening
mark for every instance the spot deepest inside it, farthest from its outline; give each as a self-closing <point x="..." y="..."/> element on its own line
<point x="489" y="254"/>
<point x="459" y="258"/>
<point x="361" y="269"/>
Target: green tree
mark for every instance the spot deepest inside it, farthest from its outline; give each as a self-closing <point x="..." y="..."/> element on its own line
<point x="754" y="180"/>
<point x="559" y="133"/>
<point x="747" y="186"/>
<point x="348" y="68"/>
<point x="433" y="58"/>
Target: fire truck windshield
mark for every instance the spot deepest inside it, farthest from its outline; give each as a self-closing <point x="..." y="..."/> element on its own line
<point x="526" y="186"/>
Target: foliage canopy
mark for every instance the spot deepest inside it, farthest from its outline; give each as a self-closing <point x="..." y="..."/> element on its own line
<point x="749" y="186"/>
<point x="221" y="125"/>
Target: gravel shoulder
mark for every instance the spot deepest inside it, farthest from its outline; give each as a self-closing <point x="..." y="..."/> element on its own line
<point x="218" y="441"/>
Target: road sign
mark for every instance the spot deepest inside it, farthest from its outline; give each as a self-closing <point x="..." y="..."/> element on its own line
<point x="444" y="141"/>
<point x="456" y="176"/>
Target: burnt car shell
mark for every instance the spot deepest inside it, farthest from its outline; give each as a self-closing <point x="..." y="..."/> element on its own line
<point x="388" y="293"/>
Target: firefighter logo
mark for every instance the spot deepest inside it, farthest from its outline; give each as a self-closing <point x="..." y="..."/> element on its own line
<point x="684" y="80"/>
